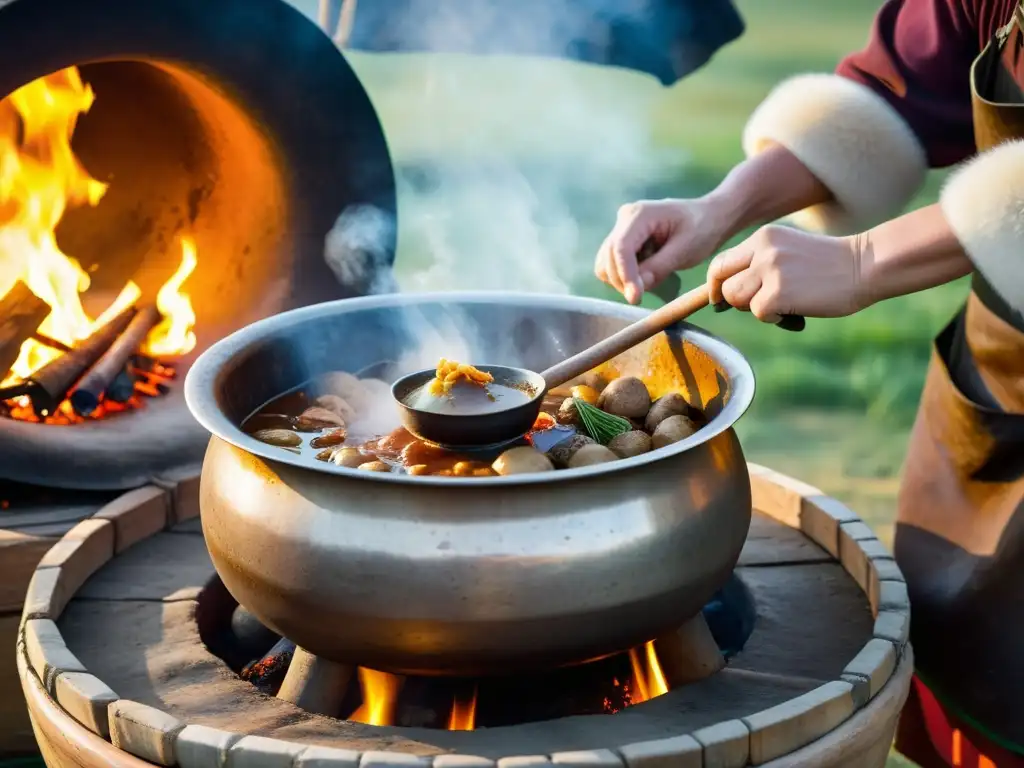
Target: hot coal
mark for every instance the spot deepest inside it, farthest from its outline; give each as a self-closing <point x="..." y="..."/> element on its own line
<point x="267" y="672"/>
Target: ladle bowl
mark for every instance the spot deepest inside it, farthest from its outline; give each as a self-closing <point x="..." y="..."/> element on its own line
<point x="454" y="427"/>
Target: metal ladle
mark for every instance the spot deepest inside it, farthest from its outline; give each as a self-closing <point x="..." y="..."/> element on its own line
<point x="492" y="428"/>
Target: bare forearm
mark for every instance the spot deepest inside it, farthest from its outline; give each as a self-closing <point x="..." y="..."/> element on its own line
<point x="766" y="187"/>
<point x="908" y="254"/>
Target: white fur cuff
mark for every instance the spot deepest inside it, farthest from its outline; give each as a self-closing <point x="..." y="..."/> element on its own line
<point x="851" y="139"/>
<point x="983" y="201"/>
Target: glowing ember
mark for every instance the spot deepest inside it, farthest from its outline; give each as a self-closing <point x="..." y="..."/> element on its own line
<point x="463" y="716"/>
<point x="40" y="178"/>
<point x="380" y="695"/>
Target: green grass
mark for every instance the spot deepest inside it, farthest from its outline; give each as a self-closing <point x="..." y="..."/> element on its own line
<point x="835" y="403"/>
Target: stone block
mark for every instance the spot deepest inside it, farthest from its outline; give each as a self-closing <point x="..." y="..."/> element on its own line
<point x="199" y="746"/>
<point x="261" y="752"/>
<point x="793" y="724"/>
<point x="46" y="597"/>
<point x="137" y="515"/>
<point x="47" y="654"/>
<point x="463" y="761"/>
<point x="19" y="555"/>
<point x="143" y="731"/>
<point x="859" y="554"/>
<point x="392" y="760"/>
<point x="674" y="752"/>
<point x="858" y="530"/>
<point x="87" y="699"/>
<point x="821" y="517"/>
<point x="523" y="761"/>
<point x="725" y="745"/>
<point x="83" y="551"/>
<point x="327" y="757"/>
<point x="893" y="626"/>
<point x="596" y="758"/>
<point x="879" y="571"/>
<point x="183" y="486"/>
<point x="861" y="688"/>
<point x="893" y="596"/>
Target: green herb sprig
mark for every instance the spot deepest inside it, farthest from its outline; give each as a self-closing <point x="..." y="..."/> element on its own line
<point x="598" y="424"/>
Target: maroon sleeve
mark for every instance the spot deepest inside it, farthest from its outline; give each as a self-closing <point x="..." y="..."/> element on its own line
<point x="919" y="60"/>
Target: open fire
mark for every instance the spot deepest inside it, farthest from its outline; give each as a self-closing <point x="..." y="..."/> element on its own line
<point x="57" y="363"/>
<point x="605" y="686"/>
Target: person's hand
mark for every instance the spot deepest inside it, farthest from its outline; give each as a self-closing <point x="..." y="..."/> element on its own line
<point x="686" y="232"/>
<point x="780" y="271"/>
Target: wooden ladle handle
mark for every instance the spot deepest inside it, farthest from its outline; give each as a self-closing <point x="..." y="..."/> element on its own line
<point x="657" y="321"/>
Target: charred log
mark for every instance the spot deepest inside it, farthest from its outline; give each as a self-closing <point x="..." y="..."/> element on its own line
<point x="21" y="312"/>
<point x="90" y="391"/>
<point x="51" y="383"/>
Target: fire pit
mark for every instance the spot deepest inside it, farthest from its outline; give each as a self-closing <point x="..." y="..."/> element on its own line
<point x="131" y="652"/>
<point x="169" y="172"/>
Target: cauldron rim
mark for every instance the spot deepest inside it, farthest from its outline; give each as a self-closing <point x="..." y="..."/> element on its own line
<point x="204" y="377"/>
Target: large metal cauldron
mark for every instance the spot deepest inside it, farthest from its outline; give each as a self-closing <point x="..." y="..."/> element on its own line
<point x="469" y="576"/>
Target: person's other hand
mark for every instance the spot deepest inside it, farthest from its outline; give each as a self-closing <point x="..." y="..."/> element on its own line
<point x="685" y="233"/>
<point x="780" y="271"/>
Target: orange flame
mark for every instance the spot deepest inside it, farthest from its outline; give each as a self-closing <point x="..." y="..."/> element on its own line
<point x="648" y="679"/>
<point x="463" y="716"/>
<point x="40" y="178"/>
<point x="174" y="336"/>
<point x="380" y="695"/>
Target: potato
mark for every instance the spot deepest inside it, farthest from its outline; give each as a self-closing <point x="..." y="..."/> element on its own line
<point x="329" y="439"/>
<point x="349" y="457"/>
<point x="672" y="404"/>
<point x="522" y="460"/>
<point x="630" y="444"/>
<point x="561" y="453"/>
<point x="672" y="430"/>
<point x="375" y="466"/>
<point x="284" y="438"/>
<point x="316" y="418"/>
<point x="338" y="405"/>
<point x="627" y="397"/>
<point x="567" y="413"/>
<point x="591" y="454"/>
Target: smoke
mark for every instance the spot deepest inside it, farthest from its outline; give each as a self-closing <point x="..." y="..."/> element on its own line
<point x="510" y="169"/>
<point x="509" y="173"/>
<point x="357" y="246"/>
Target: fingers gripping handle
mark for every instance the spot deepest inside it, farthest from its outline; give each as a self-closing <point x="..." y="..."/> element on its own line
<point x="787" y="322"/>
<point x="794" y="323"/>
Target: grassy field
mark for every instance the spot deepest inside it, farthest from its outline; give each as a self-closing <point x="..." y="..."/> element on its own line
<point x="531" y="159"/>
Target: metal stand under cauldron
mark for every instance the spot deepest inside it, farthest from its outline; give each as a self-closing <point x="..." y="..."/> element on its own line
<point x="115" y="672"/>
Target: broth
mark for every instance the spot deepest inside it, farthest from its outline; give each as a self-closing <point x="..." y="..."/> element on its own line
<point x="467" y="399"/>
<point x="354" y="423"/>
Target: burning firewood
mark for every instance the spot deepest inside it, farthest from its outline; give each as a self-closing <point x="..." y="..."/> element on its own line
<point x="94" y="385"/>
<point x="21" y="313"/>
<point x="49" y="386"/>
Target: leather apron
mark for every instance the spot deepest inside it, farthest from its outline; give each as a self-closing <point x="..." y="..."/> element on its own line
<point x="960" y="526"/>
